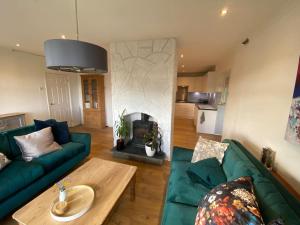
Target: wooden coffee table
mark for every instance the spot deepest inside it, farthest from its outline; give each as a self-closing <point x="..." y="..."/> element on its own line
<point x="109" y="181"/>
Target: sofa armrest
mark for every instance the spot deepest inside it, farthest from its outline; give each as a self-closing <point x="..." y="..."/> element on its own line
<point x="83" y="138"/>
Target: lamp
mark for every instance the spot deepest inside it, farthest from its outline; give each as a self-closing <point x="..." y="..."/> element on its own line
<point x="74" y="55"/>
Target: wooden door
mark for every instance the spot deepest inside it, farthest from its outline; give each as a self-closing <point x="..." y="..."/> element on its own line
<point x="59" y="98"/>
<point x="93" y="100"/>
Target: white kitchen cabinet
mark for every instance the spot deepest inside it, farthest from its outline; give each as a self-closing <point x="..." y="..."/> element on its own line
<point x="206" y="121"/>
<point x="184" y="110"/>
<point x="215" y="82"/>
<point x="195" y="115"/>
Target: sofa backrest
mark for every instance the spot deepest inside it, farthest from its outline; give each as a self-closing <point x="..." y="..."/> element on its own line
<point x="14" y="150"/>
<point x="272" y="202"/>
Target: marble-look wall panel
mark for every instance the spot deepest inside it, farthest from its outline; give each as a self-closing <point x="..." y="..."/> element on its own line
<point x="143" y="76"/>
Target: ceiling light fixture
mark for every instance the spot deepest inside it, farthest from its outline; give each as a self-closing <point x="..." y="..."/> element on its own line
<point x="182" y="66"/>
<point x="181" y="56"/>
<point x="74" y="55"/>
<point x="63" y="36"/>
<point x="18" y="45"/>
<point x="224" y="12"/>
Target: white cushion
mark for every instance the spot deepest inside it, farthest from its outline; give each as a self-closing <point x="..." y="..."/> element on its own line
<point x="37" y="144"/>
<point x="205" y="149"/>
<point x="4" y="161"/>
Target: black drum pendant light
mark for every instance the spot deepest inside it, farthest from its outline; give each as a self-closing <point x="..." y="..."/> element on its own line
<point x="74" y="55"/>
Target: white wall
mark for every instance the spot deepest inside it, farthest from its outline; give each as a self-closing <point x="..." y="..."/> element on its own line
<point x="261" y="85"/>
<point x="23" y="86"/>
<point x="143" y="79"/>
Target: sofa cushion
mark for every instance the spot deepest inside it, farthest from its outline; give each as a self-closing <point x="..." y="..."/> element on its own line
<point x="179" y="214"/>
<point x="187" y="192"/>
<point x="4" y="145"/>
<point x="208" y="148"/>
<point x="37" y="143"/>
<point x="272" y="204"/>
<point x="55" y="159"/>
<point x="241" y="166"/>
<point x="230" y="203"/>
<point x="18" y="175"/>
<point x="207" y="172"/>
<point x="4" y="161"/>
<point x="182" y="154"/>
<point x="15" y="151"/>
<point x="60" y="130"/>
<point x="181" y="188"/>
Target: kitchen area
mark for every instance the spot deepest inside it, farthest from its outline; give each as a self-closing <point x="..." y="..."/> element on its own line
<point x="202" y="98"/>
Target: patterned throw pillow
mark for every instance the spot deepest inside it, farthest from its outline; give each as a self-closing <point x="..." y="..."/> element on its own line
<point x="3" y="161"/>
<point x="230" y="203"/>
<point x="205" y="149"/>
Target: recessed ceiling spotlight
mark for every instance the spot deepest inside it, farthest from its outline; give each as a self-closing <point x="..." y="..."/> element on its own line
<point x="224" y="12"/>
<point x="181" y="56"/>
<point x="182" y="66"/>
<point x="63" y="36"/>
<point x="18" y="45"/>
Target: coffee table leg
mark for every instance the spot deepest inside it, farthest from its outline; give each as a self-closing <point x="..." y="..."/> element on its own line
<point x="132" y="188"/>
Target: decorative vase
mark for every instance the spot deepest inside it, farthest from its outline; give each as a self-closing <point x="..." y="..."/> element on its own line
<point x="149" y="150"/>
<point x="120" y="144"/>
<point x="62" y="195"/>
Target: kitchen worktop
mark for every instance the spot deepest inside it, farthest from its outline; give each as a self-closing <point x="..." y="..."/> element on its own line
<point x="200" y="106"/>
<point x="206" y="107"/>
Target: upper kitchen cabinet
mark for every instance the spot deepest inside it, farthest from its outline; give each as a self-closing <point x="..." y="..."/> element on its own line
<point x="196" y="84"/>
<point x="215" y="82"/>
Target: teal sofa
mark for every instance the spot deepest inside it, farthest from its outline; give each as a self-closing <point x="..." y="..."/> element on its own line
<point x="183" y="195"/>
<point x="20" y="181"/>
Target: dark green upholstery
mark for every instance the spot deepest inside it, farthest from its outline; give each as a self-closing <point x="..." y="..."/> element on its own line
<point x="17" y="175"/>
<point x="14" y="148"/>
<point x="4" y="146"/>
<point x="208" y="172"/>
<point x="182" y="154"/>
<point x="293" y="202"/>
<point x="179" y="214"/>
<point x="54" y="159"/>
<point x="274" y="200"/>
<point x="182" y="189"/>
<point x="21" y="181"/>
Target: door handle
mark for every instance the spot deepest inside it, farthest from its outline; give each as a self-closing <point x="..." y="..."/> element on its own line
<point x="52" y="103"/>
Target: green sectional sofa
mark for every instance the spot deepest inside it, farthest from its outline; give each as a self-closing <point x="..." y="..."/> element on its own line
<point x="183" y="195"/>
<point x="20" y="181"/>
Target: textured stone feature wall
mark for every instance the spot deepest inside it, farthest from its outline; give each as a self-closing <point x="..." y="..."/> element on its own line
<point x="143" y="76"/>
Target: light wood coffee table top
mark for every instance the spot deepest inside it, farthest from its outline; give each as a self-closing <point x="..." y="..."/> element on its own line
<point x="108" y="179"/>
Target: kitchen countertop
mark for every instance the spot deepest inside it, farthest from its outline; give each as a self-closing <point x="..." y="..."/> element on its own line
<point x="200" y="106"/>
<point x="206" y="107"/>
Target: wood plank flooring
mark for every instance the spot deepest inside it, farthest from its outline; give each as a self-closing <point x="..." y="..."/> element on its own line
<point x="151" y="180"/>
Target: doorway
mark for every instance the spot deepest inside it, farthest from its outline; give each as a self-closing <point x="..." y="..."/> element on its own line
<point x="59" y="97"/>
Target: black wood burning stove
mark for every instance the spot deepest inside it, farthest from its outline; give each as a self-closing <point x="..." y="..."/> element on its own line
<point x="139" y="129"/>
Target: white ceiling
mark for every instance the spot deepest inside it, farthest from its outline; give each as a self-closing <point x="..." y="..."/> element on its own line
<point x="203" y="36"/>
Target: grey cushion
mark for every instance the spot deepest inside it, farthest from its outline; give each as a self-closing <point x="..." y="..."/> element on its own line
<point x="37" y="144"/>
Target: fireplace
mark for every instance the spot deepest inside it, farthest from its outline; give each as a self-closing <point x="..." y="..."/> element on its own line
<point x="140" y="124"/>
<point x="139" y="129"/>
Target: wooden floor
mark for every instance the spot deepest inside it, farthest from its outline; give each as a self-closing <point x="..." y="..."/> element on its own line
<point x="151" y="180"/>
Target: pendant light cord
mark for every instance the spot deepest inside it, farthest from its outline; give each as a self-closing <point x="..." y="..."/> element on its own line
<point x="76" y="15"/>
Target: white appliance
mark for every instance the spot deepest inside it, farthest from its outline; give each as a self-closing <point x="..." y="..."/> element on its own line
<point x="206" y="121"/>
